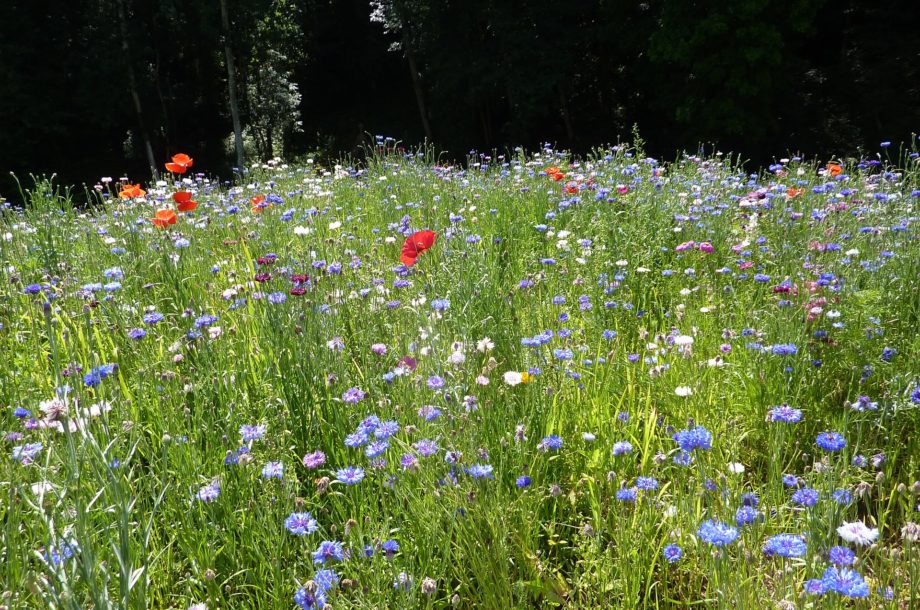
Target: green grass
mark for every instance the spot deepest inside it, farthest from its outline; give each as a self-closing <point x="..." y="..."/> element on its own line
<point x="119" y="491"/>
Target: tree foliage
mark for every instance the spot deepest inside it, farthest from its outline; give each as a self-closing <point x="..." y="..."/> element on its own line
<point x="751" y="76"/>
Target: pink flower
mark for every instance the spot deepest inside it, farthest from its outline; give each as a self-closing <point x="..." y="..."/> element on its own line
<point x="685" y="246"/>
<point x="707" y="247"/>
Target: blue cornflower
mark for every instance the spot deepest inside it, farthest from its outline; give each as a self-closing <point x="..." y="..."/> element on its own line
<point x="841" y="556"/>
<point x="814" y="586"/>
<point x="805" y="496"/>
<point x="351" y="475"/>
<point x="435" y="382"/>
<point x="915" y="395"/>
<point x="21" y="413"/>
<point x="562" y="354"/>
<point x="301" y="524"/>
<point x="273" y="470"/>
<point x="790" y="480"/>
<point x="277" y="298"/>
<point x="426" y="447"/>
<point x="58" y="555"/>
<point x="627" y="494"/>
<point x="845" y="581"/>
<point x="233" y="457"/>
<point x="326" y="579"/>
<point x="784" y="349"/>
<point x="523" y="481"/>
<point x="386" y="429"/>
<point x="252" y="433"/>
<point x="329" y="550"/>
<point x="717" y="533"/>
<point x="429" y="412"/>
<point x="621" y="448"/>
<point x="353" y="395"/>
<point x="440" y="304"/>
<point x="390" y="547"/>
<point x="785" y="414"/>
<point x="376" y="449"/>
<point x="369" y="424"/>
<point x="153" y="317"/>
<point x="646" y="483"/>
<point x="205" y="321"/>
<point x="209" y="492"/>
<point x="785" y="545"/>
<point x="746" y="515"/>
<point x="842" y="496"/>
<point x="831" y="441"/>
<point x="356" y="439"/>
<point x="27" y="453"/>
<point x="552" y="441"/>
<point x="32" y="289"/>
<point x="694" y="438"/>
<point x="137" y="333"/>
<point x="480" y="471"/>
<point x="672" y="553"/>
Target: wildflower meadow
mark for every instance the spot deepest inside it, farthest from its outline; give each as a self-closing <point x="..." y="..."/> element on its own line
<point x="532" y="380"/>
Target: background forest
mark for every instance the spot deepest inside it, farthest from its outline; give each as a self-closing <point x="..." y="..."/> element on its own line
<point x="87" y="85"/>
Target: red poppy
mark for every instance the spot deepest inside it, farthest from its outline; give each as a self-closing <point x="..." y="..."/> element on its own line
<point x="259" y="203"/>
<point x="163" y="218"/>
<point x="132" y="190"/>
<point x="571" y="188"/>
<point x="184" y="201"/>
<point x="834" y="169"/>
<point x="415" y="244"/>
<point x="180" y="163"/>
<point x="793" y="192"/>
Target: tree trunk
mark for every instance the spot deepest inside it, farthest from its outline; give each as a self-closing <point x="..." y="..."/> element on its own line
<point x="231" y="86"/>
<point x="132" y="86"/>
<point x="417" y="86"/>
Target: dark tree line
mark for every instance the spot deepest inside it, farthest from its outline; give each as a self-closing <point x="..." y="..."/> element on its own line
<point x="91" y="87"/>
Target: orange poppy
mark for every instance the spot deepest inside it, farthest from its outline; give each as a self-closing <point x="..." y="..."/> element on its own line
<point x="571" y="188"/>
<point x="259" y="204"/>
<point x="163" y="218"/>
<point x="415" y="244"/>
<point x="834" y="169"/>
<point x="180" y="163"/>
<point x="184" y="201"/>
<point x="551" y="170"/>
<point x="131" y="191"/>
<point x="793" y="192"/>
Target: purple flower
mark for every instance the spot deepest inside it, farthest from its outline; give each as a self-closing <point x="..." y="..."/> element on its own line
<point x="314" y="460"/>
<point x="353" y="395"/>
<point x="351" y="475"/>
<point x="328" y="550"/>
<point x="301" y="524"/>
<point x="273" y="470"/>
<point x="672" y="553"/>
<point x="209" y="492"/>
<point x="831" y="441"/>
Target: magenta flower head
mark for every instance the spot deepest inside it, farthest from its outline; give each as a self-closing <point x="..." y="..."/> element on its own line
<point x="707" y="247"/>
